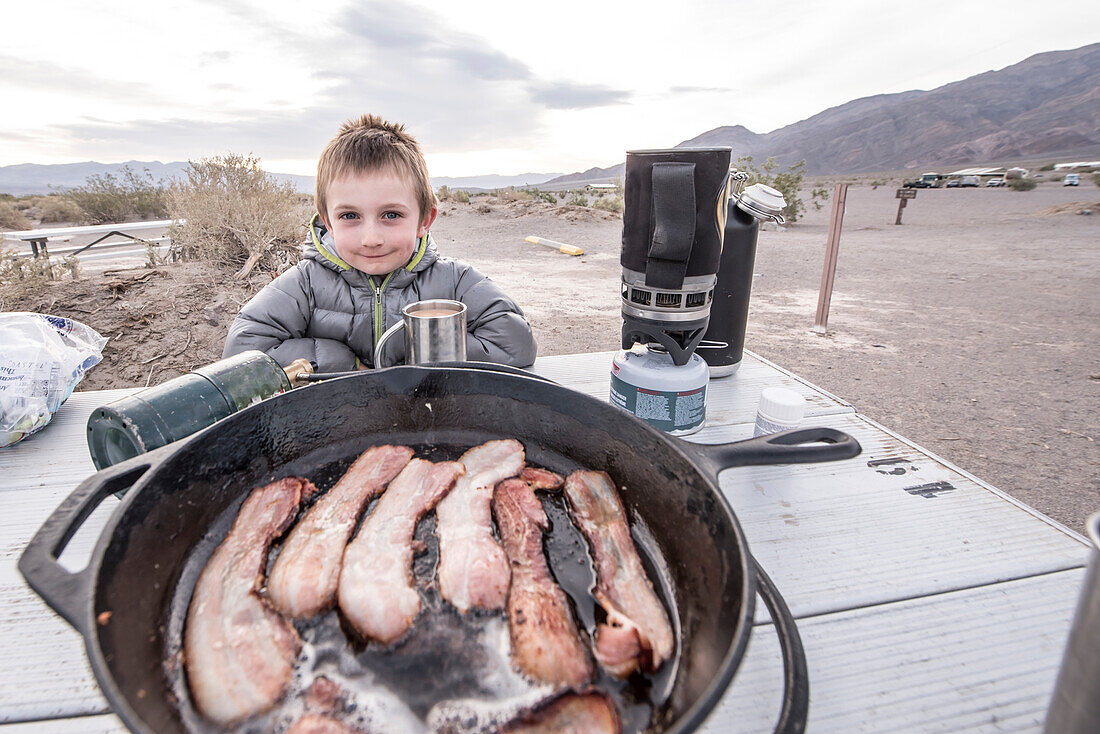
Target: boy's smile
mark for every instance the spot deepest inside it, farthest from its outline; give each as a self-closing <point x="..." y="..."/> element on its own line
<point x="375" y="220"/>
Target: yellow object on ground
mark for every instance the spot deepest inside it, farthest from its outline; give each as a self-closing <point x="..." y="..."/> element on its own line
<point x="567" y="249"/>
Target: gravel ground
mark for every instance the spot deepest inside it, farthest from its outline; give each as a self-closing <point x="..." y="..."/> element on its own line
<point x="971" y="329"/>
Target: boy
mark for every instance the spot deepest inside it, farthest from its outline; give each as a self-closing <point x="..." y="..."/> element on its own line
<point x="370" y="254"/>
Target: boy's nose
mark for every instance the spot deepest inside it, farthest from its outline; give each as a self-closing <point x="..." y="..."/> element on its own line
<point x="371" y="235"/>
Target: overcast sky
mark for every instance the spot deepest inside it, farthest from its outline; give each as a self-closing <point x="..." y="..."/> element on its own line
<point x="494" y="86"/>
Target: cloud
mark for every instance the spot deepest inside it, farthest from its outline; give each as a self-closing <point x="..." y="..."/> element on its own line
<point x="701" y="90"/>
<point x="567" y="96"/>
<point x="40" y="75"/>
<point x="455" y="92"/>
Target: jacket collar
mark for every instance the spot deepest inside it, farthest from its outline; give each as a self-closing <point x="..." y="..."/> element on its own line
<point x="320" y="248"/>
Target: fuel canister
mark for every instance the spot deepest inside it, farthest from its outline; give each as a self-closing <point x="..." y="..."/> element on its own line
<point x="646" y="382"/>
<point x="179" y="407"/>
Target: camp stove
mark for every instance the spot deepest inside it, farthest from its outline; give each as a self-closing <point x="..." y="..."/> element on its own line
<point x="677" y="203"/>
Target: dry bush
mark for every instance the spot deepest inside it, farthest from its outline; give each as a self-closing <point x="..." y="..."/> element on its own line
<point x="513" y="194"/>
<point x="23" y="276"/>
<point x="236" y="215"/>
<point x="58" y="208"/>
<point x="11" y="218"/>
<point x="1022" y="184"/>
<point x="110" y="199"/>
<point x="446" y="193"/>
<point x="609" y="203"/>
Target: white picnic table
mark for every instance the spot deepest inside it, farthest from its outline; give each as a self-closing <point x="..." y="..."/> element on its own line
<point x="927" y="600"/>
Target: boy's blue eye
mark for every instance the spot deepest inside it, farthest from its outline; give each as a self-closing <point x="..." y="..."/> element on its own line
<point x="391" y="215"/>
<point x="348" y="215"/>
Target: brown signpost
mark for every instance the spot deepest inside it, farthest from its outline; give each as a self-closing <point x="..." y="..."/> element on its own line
<point x="832" y="247"/>
<point x="903" y="196"/>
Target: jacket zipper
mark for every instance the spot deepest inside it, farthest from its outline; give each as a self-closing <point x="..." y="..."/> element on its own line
<point x="379" y="326"/>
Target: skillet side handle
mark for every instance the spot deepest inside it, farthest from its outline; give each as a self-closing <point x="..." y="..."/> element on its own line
<point x="798" y="446"/>
<point x="69" y="594"/>
<point x="796" y="673"/>
<point x="506" y="369"/>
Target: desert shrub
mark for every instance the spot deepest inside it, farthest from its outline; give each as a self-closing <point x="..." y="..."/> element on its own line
<point x="609" y="204"/>
<point x="110" y="199"/>
<point x="1047" y="167"/>
<point x="819" y="195"/>
<point x="58" y="208"/>
<point x="577" y="199"/>
<point x="513" y="194"/>
<point x="540" y="195"/>
<point x="24" y="276"/>
<point x="11" y="218"/>
<point x="233" y="213"/>
<point x="445" y="193"/>
<point x="1022" y="184"/>
<point x="788" y="183"/>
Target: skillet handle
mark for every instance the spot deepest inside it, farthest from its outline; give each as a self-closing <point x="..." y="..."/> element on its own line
<point x="798" y="446"/>
<point x="506" y="369"/>
<point x="796" y="674"/>
<point x="468" y="365"/>
<point x="69" y="594"/>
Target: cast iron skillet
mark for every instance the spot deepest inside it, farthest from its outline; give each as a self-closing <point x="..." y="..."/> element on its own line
<point x="178" y="492"/>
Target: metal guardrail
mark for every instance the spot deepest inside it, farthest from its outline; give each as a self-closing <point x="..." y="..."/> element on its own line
<point x="37" y="237"/>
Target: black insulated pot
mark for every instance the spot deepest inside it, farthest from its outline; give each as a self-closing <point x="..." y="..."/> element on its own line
<point x="673" y="217"/>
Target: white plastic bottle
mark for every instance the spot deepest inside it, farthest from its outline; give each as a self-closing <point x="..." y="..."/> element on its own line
<point x="780" y="409"/>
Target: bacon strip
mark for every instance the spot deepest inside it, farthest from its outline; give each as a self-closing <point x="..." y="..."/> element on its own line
<point x="323" y="699"/>
<point x="375" y="590"/>
<point x="473" y="569"/>
<point x="303" y="580"/>
<point x="622" y="587"/>
<point x="573" y="713"/>
<point x="239" y="653"/>
<point x="320" y="724"/>
<point x="546" y="646"/>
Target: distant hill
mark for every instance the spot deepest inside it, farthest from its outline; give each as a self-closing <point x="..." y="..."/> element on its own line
<point x="32" y="178"/>
<point x="1045" y="106"/>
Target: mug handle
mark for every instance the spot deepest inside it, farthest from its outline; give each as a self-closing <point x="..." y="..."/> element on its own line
<point x="385" y="337"/>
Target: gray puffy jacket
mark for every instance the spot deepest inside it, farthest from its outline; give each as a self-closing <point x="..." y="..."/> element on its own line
<point x="324" y="310"/>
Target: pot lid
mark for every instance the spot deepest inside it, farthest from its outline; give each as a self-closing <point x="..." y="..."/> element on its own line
<point x="763" y="202"/>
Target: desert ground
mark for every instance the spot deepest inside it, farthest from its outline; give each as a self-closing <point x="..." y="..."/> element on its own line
<point x="971" y="329"/>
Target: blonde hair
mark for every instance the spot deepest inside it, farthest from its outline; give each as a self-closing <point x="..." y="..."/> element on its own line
<point x="369" y="143"/>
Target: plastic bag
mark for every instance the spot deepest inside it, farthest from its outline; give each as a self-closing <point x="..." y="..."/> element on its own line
<point x="42" y="358"/>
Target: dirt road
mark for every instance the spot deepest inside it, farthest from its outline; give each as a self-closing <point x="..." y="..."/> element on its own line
<point x="971" y="329"/>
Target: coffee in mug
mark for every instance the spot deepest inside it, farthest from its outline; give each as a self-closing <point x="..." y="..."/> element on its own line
<point x="435" y="331"/>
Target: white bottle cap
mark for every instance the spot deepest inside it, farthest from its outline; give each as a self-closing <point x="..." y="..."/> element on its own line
<point x="780" y="405"/>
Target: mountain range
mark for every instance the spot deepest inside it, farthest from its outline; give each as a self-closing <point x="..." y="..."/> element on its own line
<point x="1046" y="106"/>
<point x="32" y="178"/>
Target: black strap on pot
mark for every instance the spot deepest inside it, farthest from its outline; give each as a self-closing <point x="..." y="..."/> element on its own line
<point x="673" y="215"/>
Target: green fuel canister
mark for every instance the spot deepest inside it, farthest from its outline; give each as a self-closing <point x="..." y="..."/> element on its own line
<point x="179" y="407"/>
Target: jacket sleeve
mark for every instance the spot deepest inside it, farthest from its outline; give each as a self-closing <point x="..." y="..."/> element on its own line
<point x="497" y="330"/>
<point x="275" y="322"/>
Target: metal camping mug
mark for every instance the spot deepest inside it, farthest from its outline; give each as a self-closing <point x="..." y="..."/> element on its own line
<point x="1075" y="705"/>
<point x="435" y="331"/>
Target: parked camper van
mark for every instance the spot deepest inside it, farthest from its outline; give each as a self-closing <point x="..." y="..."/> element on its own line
<point x="1072" y="179"/>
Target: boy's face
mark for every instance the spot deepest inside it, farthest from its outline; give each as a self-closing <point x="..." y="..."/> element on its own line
<point x="375" y="220"/>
